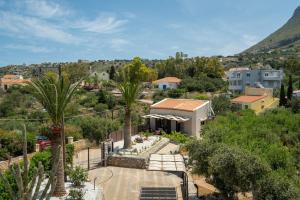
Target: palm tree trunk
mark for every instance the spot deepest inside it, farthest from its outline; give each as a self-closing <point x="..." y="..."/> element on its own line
<point x="127" y="129"/>
<point x="60" y="183"/>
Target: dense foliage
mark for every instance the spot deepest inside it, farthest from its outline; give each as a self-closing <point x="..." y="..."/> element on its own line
<point x="12" y="144"/>
<point x="96" y="128"/>
<point x="244" y="152"/>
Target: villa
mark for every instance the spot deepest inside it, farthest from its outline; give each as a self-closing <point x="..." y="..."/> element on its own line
<point x="257" y="99"/>
<point x="167" y="83"/>
<point x="182" y="115"/>
<point x="12" y="79"/>
<point x="266" y="77"/>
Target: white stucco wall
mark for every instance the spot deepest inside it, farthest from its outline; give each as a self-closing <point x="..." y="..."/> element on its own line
<point x="191" y="127"/>
<point x="168" y="85"/>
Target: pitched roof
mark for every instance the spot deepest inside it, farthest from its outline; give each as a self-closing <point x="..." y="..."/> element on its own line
<point x="10" y="76"/>
<point x="179" y="104"/>
<point x="170" y="79"/>
<point x="247" y="99"/>
<point x="14" y="81"/>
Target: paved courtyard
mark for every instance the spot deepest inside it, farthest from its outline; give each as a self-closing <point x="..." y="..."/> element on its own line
<point x="125" y="183"/>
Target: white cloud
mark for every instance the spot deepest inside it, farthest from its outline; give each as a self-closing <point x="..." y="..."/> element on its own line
<point x="31" y="26"/>
<point x="102" y="24"/>
<point x="45" y="9"/>
<point x="30" y="48"/>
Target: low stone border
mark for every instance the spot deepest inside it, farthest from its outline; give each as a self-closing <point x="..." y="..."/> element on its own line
<point x="136" y="161"/>
<point x="127" y="161"/>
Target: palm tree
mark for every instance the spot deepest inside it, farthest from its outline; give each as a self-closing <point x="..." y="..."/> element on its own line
<point x="54" y="94"/>
<point x="130" y="79"/>
<point x="130" y="91"/>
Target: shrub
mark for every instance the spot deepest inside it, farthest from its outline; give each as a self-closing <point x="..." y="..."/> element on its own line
<point x="101" y="107"/>
<point x="75" y="194"/>
<point x="78" y="176"/>
<point x="69" y="154"/>
<point x="44" y="157"/>
<point x="202" y="97"/>
<point x="177" y="137"/>
<point x="96" y="128"/>
<point x="159" y="95"/>
<point x="73" y="131"/>
<point x="12" y="142"/>
<point x="175" y="93"/>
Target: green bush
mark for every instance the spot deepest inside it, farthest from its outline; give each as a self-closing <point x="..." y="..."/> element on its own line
<point x="74" y="131"/>
<point x="177" y="137"/>
<point x="44" y="157"/>
<point x="75" y="194"/>
<point x="96" y="128"/>
<point x="69" y="154"/>
<point x="4" y="154"/>
<point x="12" y="142"/>
<point x="78" y="176"/>
<point x="175" y="93"/>
<point x="101" y="107"/>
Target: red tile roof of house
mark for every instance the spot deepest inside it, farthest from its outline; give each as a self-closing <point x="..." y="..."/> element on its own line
<point x="179" y="104"/>
<point x="167" y="80"/>
<point x="247" y="99"/>
<point x="10" y="76"/>
<point x="14" y="81"/>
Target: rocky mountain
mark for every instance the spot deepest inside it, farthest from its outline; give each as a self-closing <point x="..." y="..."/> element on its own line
<point x="286" y="38"/>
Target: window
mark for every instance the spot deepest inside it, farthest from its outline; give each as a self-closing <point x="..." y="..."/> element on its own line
<point x="202" y="122"/>
<point x="248" y="74"/>
<point x="238" y="75"/>
<point x="266" y="74"/>
<point x="246" y="106"/>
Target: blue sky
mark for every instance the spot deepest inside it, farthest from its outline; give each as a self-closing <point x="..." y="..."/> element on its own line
<point x="35" y="31"/>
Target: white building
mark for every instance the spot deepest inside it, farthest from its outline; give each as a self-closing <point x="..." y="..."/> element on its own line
<point x="167" y="83"/>
<point x="296" y="93"/>
<point x="182" y="115"/>
<point x="9" y="80"/>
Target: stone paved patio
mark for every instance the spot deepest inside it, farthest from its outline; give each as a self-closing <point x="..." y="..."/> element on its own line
<point x="125" y="183"/>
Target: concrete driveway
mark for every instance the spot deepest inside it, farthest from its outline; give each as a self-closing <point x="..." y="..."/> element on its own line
<point x="125" y="183"/>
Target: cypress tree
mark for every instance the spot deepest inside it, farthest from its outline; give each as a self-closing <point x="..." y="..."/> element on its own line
<point x="282" y="99"/>
<point x="290" y="88"/>
<point x="112" y="72"/>
<point x="299" y="85"/>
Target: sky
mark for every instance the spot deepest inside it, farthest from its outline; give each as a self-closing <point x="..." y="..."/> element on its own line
<point x="36" y="31"/>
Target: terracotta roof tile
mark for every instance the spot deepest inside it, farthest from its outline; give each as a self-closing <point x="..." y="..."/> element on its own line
<point x="167" y="80"/>
<point x="179" y="104"/>
<point x="10" y="76"/>
<point x="247" y="99"/>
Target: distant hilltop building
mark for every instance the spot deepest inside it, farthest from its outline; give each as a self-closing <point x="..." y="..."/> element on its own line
<point x="267" y="77"/>
<point x="9" y="80"/>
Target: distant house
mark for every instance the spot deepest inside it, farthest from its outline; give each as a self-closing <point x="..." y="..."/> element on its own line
<point x="296" y="93"/>
<point x="11" y="79"/>
<point x="257" y="99"/>
<point x="184" y="115"/>
<point x="167" y="83"/>
<point x="240" y="78"/>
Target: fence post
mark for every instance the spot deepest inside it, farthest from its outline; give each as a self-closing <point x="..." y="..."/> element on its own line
<point x="88" y="158"/>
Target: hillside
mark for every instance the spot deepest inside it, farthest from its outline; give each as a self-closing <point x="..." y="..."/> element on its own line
<point x="286" y="38"/>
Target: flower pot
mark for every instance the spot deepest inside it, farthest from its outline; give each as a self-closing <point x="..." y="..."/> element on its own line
<point x="56" y="130"/>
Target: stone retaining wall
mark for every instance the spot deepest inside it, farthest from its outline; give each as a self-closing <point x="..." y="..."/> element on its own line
<point x="127" y="161"/>
<point x="4" y="165"/>
<point x="82" y="144"/>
